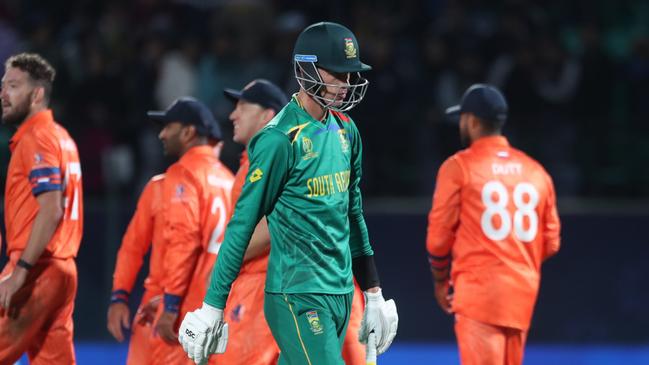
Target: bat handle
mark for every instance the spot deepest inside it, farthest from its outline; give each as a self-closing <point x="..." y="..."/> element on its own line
<point x="370" y="357"/>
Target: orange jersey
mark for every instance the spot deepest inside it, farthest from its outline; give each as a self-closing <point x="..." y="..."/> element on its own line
<point x="144" y="231"/>
<point x="196" y="208"/>
<point x="43" y="158"/>
<point x="494" y="213"/>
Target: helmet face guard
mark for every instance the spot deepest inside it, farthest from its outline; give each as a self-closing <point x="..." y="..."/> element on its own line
<point x="307" y="75"/>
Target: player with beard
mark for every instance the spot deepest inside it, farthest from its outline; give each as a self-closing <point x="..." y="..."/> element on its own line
<point x="43" y="218"/>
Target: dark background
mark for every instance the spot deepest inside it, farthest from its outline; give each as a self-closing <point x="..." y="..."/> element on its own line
<point x="576" y="74"/>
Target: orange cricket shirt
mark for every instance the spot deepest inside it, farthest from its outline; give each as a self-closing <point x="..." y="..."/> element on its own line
<point x="494" y="212"/>
<point x="43" y="158"/>
<point x="196" y="209"/>
<point x="144" y="231"/>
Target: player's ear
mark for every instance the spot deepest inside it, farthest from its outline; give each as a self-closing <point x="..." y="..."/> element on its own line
<point x="473" y="122"/>
<point x="269" y="114"/>
<point x="38" y="95"/>
<point x="188" y="132"/>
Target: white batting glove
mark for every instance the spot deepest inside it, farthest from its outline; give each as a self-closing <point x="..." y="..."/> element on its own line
<point x="203" y="333"/>
<point x="381" y="317"/>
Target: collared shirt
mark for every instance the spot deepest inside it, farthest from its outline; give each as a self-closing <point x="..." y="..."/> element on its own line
<point x="196" y="208"/>
<point x="494" y="218"/>
<point x="43" y="158"/>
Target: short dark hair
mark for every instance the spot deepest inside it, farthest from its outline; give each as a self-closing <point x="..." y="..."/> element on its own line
<point x="37" y="67"/>
<point x="491" y="126"/>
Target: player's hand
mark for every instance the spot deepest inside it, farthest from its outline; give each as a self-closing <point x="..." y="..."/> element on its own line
<point x="203" y="333"/>
<point x="381" y="317"/>
<point x="165" y="327"/>
<point x="9" y="285"/>
<point x="146" y="313"/>
<point x="118" y="317"/>
<point x="444" y="296"/>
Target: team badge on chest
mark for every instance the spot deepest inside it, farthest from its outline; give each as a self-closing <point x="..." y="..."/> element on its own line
<point x="307" y="147"/>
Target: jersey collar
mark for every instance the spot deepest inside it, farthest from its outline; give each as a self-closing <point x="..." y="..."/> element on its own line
<point x="199" y="150"/>
<point x="490" y="141"/>
<point x="320" y="123"/>
<point x="44" y="116"/>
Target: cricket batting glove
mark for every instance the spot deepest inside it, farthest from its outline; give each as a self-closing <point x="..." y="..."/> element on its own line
<point x="203" y="333"/>
<point x="380" y="317"/>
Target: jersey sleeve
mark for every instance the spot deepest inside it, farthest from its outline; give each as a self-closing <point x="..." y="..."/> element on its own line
<point x="551" y="225"/>
<point x="444" y="215"/>
<point x="358" y="237"/>
<point x="42" y="158"/>
<point x="181" y="234"/>
<point x="135" y="244"/>
<point x="270" y="154"/>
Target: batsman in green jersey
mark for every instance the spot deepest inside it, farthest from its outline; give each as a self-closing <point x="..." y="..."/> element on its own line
<point x="305" y="171"/>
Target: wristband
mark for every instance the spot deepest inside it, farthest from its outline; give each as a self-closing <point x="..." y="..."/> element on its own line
<point x="119" y="296"/>
<point x="24" y="264"/>
<point x="365" y="272"/>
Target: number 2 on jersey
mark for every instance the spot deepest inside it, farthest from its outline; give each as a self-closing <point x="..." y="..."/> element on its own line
<point x="495" y="198"/>
<point x="218" y="207"/>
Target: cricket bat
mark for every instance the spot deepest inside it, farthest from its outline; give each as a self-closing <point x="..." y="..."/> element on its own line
<point x="370" y="352"/>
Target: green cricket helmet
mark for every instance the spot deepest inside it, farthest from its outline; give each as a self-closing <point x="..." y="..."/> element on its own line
<point x="332" y="47"/>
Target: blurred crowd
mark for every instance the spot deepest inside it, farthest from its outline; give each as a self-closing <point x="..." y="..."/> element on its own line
<point x="576" y="74"/>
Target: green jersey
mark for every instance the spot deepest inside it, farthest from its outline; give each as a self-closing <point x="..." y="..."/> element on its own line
<point x="304" y="177"/>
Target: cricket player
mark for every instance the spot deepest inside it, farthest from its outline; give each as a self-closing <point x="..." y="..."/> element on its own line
<point x="305" y="170"/>
<point x="43" y="218"/>
<point x="251" y="342"/>
<point x="493" y="222"/>
<point x="196" y="205"/>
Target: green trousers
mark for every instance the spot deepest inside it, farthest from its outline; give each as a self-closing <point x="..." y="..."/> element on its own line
<point x="308" y="328"/>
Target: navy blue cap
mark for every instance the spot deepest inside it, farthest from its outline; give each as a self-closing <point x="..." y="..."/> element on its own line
<point x="188" y="110"/>
<point x="483" y="100"/>
<point x="262" y="92"/>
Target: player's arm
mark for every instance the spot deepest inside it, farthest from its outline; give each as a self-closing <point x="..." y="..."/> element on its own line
<point x="380" y="316"/>
<point x="47" y="219"/>
<point x="181" y="235"/>
<point x="47" y="187"/>
<point x="270" y="157"/>
<point x="259" y="242"/>
<point x="551" y="225"/>
<point x="443" y="220"/>
<point x="135" y="244"/>
<point x="363" y="264"/>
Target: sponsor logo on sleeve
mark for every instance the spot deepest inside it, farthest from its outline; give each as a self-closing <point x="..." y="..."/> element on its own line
<point x="256" y="175"/>
<point x="180" y="194"/>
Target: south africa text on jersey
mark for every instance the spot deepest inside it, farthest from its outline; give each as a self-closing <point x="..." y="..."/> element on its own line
<point x="328" y="184"/>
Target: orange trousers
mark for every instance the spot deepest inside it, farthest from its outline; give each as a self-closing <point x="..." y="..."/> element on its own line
<point x="39" y="320"/>
<point x="139" y="347"/>
<point x="485" y="344"/>
<point x="354" y="351"/>
<point x="165" y="353"/>
<point x="250" y="341"/>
